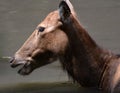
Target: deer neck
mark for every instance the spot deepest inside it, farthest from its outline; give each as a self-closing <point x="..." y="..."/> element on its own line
<point x="82" y="45"/>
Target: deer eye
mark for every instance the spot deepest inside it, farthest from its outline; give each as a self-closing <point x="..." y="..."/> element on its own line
<point x="41" y="29"/>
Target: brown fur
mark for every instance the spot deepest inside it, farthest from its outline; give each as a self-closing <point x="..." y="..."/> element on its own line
<point x="80" y="56"/>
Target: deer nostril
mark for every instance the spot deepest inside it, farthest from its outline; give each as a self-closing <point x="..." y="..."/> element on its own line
<point x="12" y="59"/>
<point x="13" y="63"/>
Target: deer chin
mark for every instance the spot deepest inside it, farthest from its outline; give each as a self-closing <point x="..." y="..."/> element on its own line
<point x="26" y="69"/>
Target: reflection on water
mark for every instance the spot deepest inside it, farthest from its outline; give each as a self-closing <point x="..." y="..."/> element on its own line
<point x="18" y="20"/>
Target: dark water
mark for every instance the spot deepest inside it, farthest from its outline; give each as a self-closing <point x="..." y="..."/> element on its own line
<point x="18" y="20"/>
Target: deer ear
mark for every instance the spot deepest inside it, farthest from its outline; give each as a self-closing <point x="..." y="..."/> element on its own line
<point x="64" y="10"/>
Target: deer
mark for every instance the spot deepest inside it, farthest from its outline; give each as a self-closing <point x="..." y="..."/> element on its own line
<point x="60" y="36"/>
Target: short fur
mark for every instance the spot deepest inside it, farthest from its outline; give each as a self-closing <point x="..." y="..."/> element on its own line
<point x="65" y="38"/>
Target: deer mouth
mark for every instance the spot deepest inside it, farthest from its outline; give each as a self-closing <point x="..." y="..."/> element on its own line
<point x="25" y="67"/>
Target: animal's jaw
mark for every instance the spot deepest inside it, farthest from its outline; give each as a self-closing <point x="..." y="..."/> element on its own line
<point x="26" y="67"/>
<point x="25" y="70"/>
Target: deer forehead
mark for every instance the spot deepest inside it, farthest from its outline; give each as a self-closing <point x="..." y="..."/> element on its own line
<point x="51" y="22"/>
